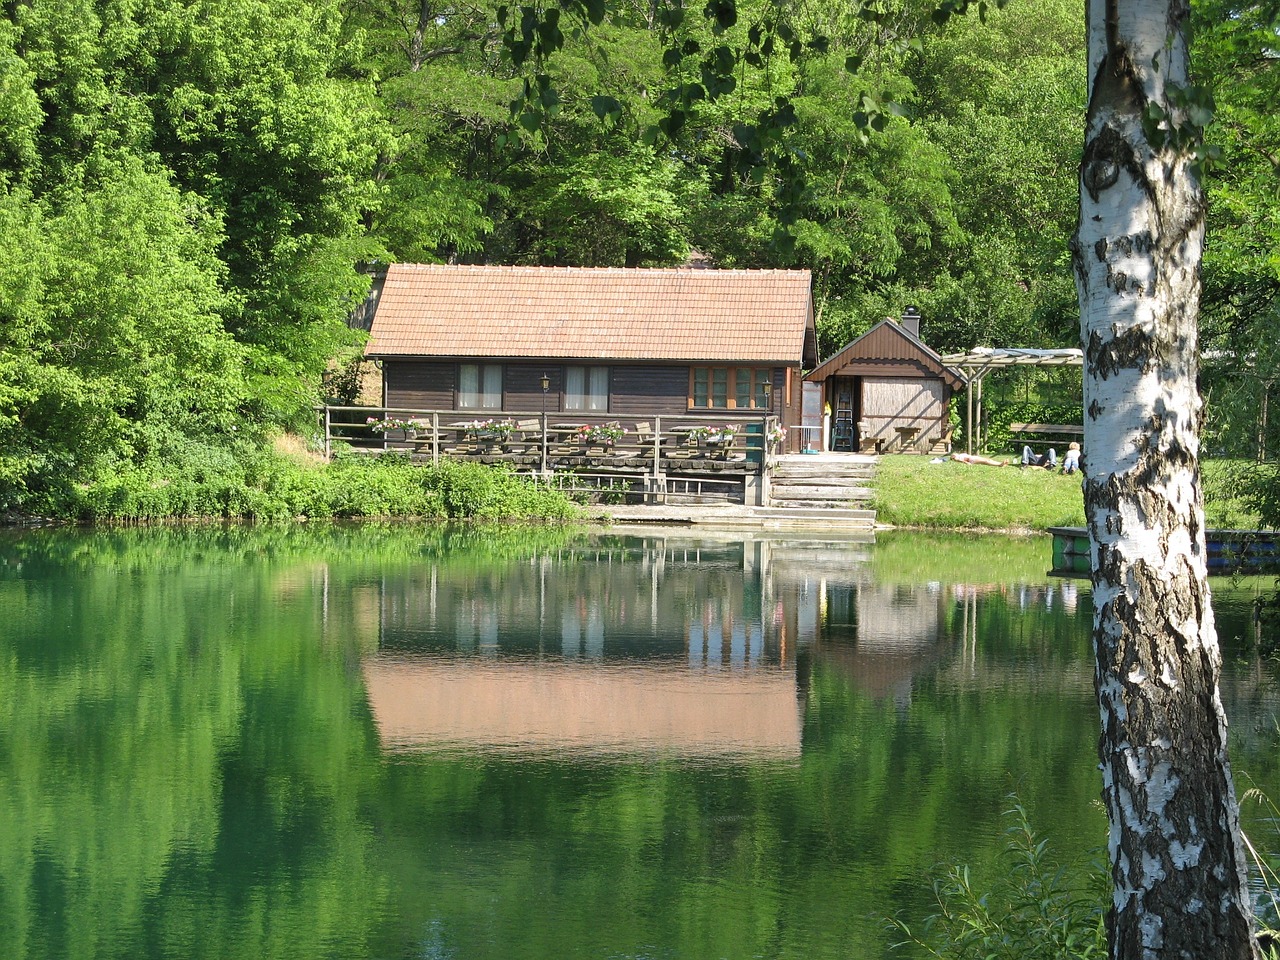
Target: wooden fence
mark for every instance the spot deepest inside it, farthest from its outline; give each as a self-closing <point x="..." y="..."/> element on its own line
<point x="697" y="456"/>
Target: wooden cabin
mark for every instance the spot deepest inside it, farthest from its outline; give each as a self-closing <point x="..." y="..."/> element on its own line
<point x="627" y="343"/>
<point x="887" y="393"/>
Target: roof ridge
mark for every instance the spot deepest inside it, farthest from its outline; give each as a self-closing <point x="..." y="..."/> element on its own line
<point x="531" y="268"/>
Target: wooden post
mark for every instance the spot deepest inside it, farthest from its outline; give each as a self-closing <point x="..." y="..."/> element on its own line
<point x="435" y="439"/>
<point x="328" y="427"/>
<point x="544" y="439"/>
<point x="968" y="434"/>
<point x="657" y="446"/>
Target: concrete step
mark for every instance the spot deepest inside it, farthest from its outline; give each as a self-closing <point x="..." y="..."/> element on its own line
<point x="865" y="476"/>
<point x="820" y="493"/>
<point x="819" y="481"/>
<point x="823" y="506"/>
<point x="827" y="518"/>
<point x="815" y="512"/>
<point x="809" y="467"/>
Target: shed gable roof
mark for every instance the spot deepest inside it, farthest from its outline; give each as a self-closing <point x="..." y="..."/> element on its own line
<point x="887" y="341"/>
<point x="608" y="313"/>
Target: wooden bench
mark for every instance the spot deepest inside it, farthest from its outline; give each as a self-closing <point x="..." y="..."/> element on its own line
<point x="1044" y="434"/>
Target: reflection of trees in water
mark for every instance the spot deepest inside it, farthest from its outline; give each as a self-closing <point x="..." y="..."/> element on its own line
<point x="144" y="809"/>
<point x="885" y="637"/>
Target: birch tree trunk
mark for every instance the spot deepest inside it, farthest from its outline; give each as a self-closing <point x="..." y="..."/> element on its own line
<point x="1176" y="851"/>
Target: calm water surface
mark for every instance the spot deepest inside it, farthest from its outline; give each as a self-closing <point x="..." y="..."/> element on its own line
<point x="415" y="743"/>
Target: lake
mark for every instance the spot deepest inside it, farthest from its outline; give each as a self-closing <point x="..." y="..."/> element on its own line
<point x="406" y="742"/>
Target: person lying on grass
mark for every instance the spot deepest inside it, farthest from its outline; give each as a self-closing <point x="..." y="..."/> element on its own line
<point x="1047" y="460"/>
<point x="1071" y="462"/>
<point x="975" y="458"/>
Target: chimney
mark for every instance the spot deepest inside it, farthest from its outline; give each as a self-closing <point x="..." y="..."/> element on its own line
<point x="911" y="320"/>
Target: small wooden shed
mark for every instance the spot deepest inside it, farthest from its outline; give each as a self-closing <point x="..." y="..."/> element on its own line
<point x="887" y="392"/>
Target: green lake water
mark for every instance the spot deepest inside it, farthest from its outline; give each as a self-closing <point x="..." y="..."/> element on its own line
<point x="404" y="742"/>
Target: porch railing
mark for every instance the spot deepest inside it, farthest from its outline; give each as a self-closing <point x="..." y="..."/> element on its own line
<point x="552" y="441"/>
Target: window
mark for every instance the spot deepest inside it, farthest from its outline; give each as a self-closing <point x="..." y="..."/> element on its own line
<point x="740" y="388"/>
<point x="480" y="386"/>
<point x="586" y="389"/>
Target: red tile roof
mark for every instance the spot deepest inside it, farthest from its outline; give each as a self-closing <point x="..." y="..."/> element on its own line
<point x="605" y="313"/>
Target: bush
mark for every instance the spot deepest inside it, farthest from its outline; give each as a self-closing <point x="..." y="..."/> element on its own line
<point x="1038" y="910"/>
<point x="476" y="491"/>
<point x="262" y="485"/>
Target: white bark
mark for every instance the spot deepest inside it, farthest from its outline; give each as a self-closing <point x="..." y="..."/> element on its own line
<point x="1177" y="858"/>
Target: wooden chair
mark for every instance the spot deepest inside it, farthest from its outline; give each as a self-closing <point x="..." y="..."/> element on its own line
<point x="643" y="445"/>
<point x="866" y="442"/>
<point x="940" y="442"/>
<point x="527" y="437"/>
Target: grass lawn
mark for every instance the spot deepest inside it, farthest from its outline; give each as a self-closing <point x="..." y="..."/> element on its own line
<point x="912" y="492"/>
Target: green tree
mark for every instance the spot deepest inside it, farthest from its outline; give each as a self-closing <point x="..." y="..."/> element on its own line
<point x="112" y="347"/>
<point x="1241" y="303"/>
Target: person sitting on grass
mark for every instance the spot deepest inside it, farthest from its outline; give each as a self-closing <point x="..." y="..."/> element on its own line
<point x="1071" y="462"/>
<point x="1047" y="460"/>
<point x="974" y="458"/>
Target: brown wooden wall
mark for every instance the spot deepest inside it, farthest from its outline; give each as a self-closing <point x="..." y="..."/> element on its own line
<point x="522" y="387"/>
<point x="892" y="402"/>
<point x="419" y="384"/>
<point x="649" y="391"/>
<point x="635" y="390"/>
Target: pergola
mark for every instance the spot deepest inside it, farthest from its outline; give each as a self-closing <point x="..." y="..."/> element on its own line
<point x="974" y="365"/>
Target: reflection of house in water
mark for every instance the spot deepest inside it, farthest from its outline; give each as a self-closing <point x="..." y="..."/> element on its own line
<point x="880" y="636"/>
<point x="622" y="644"/>
<point x="616" y="646"/>
<point x="701" y="602"/>
<point x="883" y="636"/>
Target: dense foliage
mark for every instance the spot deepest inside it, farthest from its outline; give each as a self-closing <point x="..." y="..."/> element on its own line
<point x="262" y="486"/>
<point x="187" y="191"/>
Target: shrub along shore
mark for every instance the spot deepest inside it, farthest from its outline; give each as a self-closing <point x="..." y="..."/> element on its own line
<point x="271" y="486"/>
<point x="281" y="484"/>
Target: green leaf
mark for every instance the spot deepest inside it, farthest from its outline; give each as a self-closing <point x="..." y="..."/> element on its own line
<point x="606" y="108"/>
<point x="671" y="17"/>
<point x="723" y="12"/>
<point x="672" y="123"/>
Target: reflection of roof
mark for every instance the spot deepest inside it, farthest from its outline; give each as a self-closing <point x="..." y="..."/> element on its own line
<point x="535" y="706"/>
<point x="741" y="316"/>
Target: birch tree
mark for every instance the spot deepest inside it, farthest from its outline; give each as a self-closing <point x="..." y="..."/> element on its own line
<point x="1175" y="843"/>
